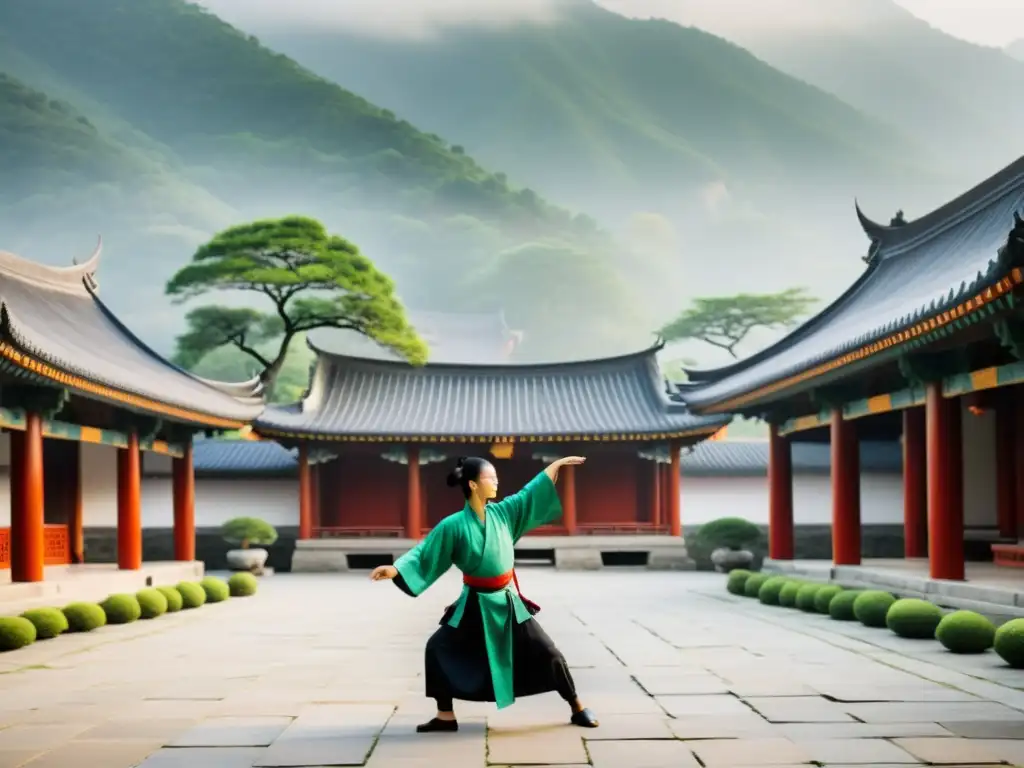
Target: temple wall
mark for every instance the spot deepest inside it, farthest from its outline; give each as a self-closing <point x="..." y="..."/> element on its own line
<point x="979" y="455"/>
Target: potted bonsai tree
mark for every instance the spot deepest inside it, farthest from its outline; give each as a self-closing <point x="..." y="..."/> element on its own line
<point x="249" y="535"/>
<point x="730" y="540"/>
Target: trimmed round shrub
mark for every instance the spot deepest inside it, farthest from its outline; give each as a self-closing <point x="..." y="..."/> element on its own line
<point x="840" y="607"/>
<point x="788" y="593"/>
<point x="152" y="603"/>
<point x="84" y="617"/>
<point x="248" y="532"/>
<point x="736" y="580"/>
<point x="121" y="608"/>
<point x="913" y="618"/>
<point x="1009" y="643"/>
<point x="243" y="584"/>
<point x="729" y="532"/>
<point x="753" y="586"/>
<point x="965" y="632"/>
<point x="871" y="606"/>
<point x="49" y="622"/>
<point x="769" y="592"/>
<point x="823" y="597"/>
<point x="805" y="596"/>
<point x="173" y="596"/>
<point x="192" y="594"/>
<point x="16" y="632"/>
<point x="216" y="589"/>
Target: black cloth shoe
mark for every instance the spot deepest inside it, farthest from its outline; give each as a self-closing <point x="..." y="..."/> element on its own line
<point x="436" y="724"/>
<point x="584" y="719"/>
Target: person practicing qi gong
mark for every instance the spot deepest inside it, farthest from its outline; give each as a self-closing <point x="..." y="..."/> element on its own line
<point x="488" y="647"/>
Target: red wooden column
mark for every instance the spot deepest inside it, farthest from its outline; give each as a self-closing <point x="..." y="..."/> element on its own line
<point x="945" y="485"/>
<point x="27" y="522"/>
<point x="675" y="522"/>
<point x="1017" y="398"/>
<point x="1006" y="480"/>
<point x="315" y="475"/>
<point x="780" y="496"/>
<point x="568" y="476"/>
<point x="656" y="494"/>
<point x="305" y="494"/>
<point x="414" y="512"/>
<point x="915" y="484"/>
<point x="129" y="506"/>
<point x="76" y="516"/>
<point x="184" y="495"/>
<point x="845" y="491"/>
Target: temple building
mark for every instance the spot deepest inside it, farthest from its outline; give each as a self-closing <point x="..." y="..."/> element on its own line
<point x="81" y="399"/>
<point x="926" y="347"/>
<point x="376" y="438"/>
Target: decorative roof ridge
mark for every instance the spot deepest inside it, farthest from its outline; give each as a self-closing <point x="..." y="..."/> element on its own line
<point x="897" y="239"/>
<point x="242" y="390"/>
<point x="78" y="278"/>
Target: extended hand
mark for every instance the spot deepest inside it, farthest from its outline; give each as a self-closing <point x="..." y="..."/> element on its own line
<point x="572" y="460"/>
<point x="383" y="572"/>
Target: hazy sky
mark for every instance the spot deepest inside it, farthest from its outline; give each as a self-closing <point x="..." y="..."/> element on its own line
<point x="988" y="22"/>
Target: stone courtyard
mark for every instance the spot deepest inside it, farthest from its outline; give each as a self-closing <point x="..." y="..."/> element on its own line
<point x="326" y="670"/>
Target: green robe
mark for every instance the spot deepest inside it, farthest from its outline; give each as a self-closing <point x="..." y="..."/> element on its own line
<point x="485" y="549"/>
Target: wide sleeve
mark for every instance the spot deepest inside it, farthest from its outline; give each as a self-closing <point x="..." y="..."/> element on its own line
<point x="535" y="505"/>
<point x="428" y="561"/>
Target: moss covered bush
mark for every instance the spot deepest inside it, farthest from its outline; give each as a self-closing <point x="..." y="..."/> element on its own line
<point x="824" y="596"/>
<point x="216" y="589"/>
<point x="965" y="632"/>
<point x="913" y="618"/>
<point x="1009" y="643"/>
<point x="84" y="617"/>
<point x="152" y="603"/>
<point x="788" y="593"/>
<point x="16" y="632"/>
<point x="840" y="607"/>
<point x="736" y="580"/>
<point x="729" y="532"/>
<point x="871" y="607"/>
<point x="121" y="608"/>
<point x="769" y="591"/>
<point x="49" y="622"/>
<point x="244" y="584"/>
<point x="192" y="594"/>
<point x="805" y="596"/>
<point x="173" y="597"/>
<point x="752" y="587"/>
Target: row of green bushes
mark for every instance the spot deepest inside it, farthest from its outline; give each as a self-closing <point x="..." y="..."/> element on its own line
<point x="124" y="608"/>
<point x="958" y="631"/>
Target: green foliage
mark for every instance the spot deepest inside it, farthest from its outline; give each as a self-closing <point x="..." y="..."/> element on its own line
<point x="824" y="596"/>
<point x="752" y="587"/>
<point x="806" y="596"/>
<point x="152" y="603"/>
<point x="768" y="594"/>
<point x="248" y="531"/>
<point x="16" y="632"/>
<point x="965" y="632"/>
<point x="913" y="618"/>
<point x="121" y="608"/>
<point x="242" y="584"/>
<point x="216" y="590"/>
<point x="192" y="594"/>
<point x="789" y="592"/>
<point x="311" y="279"/>
<point x="84" y="617"/>
<point x="49" y="622"/>
<point x="731" y="532"/>
<point x="174" y="600"/>
<point x="871" y="606"/>
<point x="840" y="607"/>
<point x="736" y="581"/>
<point x="724" y="321"/>
<point x="1009" y="643"/>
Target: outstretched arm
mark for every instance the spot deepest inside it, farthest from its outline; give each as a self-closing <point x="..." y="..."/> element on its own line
<point x="537" y="503"/>
<point x="416" y="570"/>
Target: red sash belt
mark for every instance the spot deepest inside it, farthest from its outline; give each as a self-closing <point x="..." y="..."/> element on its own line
<point x="494" y="583"/>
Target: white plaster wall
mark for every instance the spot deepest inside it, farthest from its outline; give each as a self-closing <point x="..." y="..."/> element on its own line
<point x="707" y="498"/>
<point x="979" y="462"/>
<point x="275" y="500"/>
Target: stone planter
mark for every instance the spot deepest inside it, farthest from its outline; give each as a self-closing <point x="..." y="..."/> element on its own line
<point x="251" y="560"/>
<point x="725" y="559"/>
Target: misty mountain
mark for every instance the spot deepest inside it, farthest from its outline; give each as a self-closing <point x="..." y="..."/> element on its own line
<point x="239" y="131"/>
<point x="1016" y="49"/>
<point x="959" y="100"/>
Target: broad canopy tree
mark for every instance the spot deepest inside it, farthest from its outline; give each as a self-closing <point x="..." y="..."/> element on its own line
<point x="311" y="279"/>
<point x="724" y="321"/>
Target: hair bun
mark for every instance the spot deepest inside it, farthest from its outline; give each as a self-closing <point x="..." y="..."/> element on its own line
<point x="455" y="476"/>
